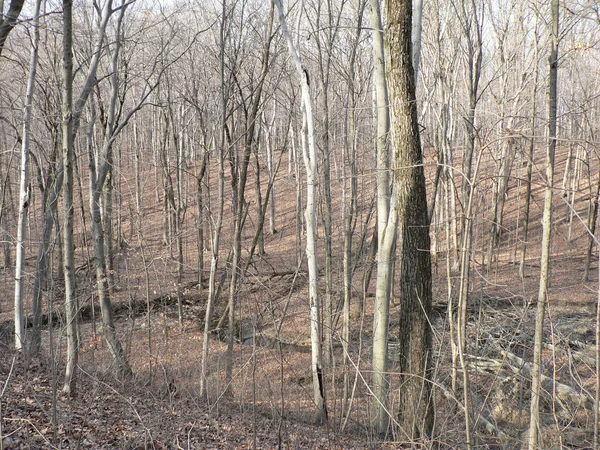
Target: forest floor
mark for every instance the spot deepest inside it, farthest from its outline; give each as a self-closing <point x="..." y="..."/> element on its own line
<point x="269" y="402"/>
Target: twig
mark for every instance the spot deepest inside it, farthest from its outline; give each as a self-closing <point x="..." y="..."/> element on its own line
<point x="135" y="411"/>
<point x="487" y="425"/>
<point x="19" y="419"/>
<point x="12" y="365"/>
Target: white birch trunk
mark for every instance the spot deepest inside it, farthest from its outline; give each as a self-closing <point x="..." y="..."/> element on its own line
<point x="24" y="190"/>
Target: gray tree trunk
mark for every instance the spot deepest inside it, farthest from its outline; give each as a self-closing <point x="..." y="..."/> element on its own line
<point x="530" y="153"/>
<point x="534" y="420"/>
<point x="216" y="237"/>
<point x="100" y="169"/>
<point x="471" y="24"/>
<point x="417" y="29"/>
<point x="324" y="56"/>
<point x="251" y="121"/>
<point x="50" y="215"/>
<point x="386" y="229"/>
<point x="67" y="201"/>
<point x="113" y="343"/>
<point x="350" y="211"/>
<point x="310" y="164"/>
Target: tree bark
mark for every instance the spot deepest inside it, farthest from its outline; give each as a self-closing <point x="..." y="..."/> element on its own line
<point x="534" y="420"/>
<point x="9" y="20"/>
<point x="310" y="163"/>
<point x="386" y="229"/>
<point x="415" y="402"/>
<point x="24" y="188"/>
<point x="67" y="201"/>
<point x="54" y="184"/>
<point x="469" y="21"/>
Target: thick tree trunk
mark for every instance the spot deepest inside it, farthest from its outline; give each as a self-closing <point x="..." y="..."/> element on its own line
<point x="415" y="402"/>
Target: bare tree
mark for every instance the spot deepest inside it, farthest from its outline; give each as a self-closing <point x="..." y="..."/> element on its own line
<point x="386" y="227"/>
<point x="24" y="186"/>
<point x="350" y="211"/>
<point x="218" y="225"/>
<point x="71" y="121"/>
<point x="252" y="117"/>
<point x="471" y="17"/>
<point x="327" y="34"/>
<point x="67" y="201"/>
<point x="310" y="163"/>
<point x="97" y="181"/>
<point x="9" y="19"/>
<point x="416" y="404"/>
<point x="531" y="149"/>
<point x="534" y="420"/>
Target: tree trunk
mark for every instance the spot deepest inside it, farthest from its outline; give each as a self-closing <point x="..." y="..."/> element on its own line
<point x="470" y="21"/>
<point x="99" y="176"/>
<point x="417" y="28"/>
<point x="24" y="188"/>
<point x="350" y="212"/>
<point x="324" y="58"/>
<point x="102" y="283"/>
<point x="270" y="170"/>
<point x="9" y="20"/>
<point x="216" y="237"/>
<point x="67" y="201"/>
<point x="415" y="402"/>
<point x="310" y="163"/>
<point x="530" y="157"/>
<point x="199" y="220"/>
<point x="592" y="231"/>
<point x="251" y="120"/>
<point x="534" y="421"/>
<point x="386" y="230"/>
<point x="50" y="216"/>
